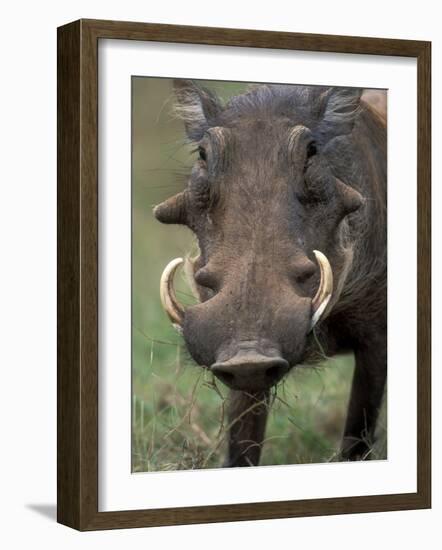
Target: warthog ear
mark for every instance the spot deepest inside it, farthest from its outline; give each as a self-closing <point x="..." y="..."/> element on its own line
<point x="172" y="210"/>
<point x="338" y="110"/>
<point x="351" y="199"/>
<point x="198" y="107"/>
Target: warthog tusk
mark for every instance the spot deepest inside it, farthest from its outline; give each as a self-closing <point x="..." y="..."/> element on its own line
<point x="325" y="290"/>
<point x="169" y="301"/>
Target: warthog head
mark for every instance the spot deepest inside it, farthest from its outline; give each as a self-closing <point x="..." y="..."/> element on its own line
<point x="268" y="211"/>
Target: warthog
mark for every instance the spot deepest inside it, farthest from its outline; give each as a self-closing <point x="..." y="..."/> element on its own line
<point x="287" y="199"/>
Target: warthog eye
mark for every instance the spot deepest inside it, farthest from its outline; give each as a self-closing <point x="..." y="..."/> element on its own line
<point x="202" y="153"/>
<point x="310" y="199"/>
<point x="311" y="149"/>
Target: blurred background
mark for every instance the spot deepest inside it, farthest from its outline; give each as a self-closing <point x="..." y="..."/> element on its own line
<point x="178" y="411"/>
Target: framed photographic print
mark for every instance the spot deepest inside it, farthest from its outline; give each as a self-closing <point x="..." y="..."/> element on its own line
<point x="243" y="275"/>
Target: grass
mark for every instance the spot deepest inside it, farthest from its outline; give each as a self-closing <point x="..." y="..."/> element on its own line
<point x="179" y="417"/>
<point x="178" y="410"/>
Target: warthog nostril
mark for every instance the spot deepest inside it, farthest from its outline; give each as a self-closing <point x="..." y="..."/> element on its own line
<point x="250" y="371"/>
<point x="226" y="377"/>
<point x="275" y="373"/>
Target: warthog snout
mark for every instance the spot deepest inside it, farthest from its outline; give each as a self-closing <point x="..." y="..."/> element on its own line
<point x="249" y="370"/>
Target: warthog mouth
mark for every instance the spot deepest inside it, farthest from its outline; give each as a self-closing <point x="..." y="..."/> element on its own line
<point x="246" y="365"/>
<point x="176" y="312"/>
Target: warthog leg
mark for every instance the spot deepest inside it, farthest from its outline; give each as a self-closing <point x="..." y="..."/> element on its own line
<point x="247" y="414"/>
<point x="365" y="400"/>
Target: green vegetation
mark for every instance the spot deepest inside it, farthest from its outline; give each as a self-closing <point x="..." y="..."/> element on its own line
<point x="178" y="419"/>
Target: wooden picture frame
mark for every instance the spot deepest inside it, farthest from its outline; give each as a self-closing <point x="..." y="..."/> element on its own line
<point x="78" y="274"/>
